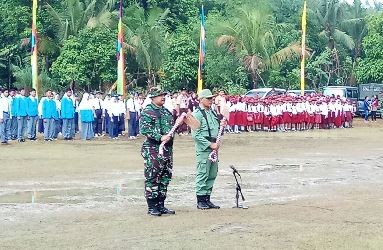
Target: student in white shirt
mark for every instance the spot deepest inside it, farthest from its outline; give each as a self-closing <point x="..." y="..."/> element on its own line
<point x="5" y="122"/>
<point x="133" y="111"/>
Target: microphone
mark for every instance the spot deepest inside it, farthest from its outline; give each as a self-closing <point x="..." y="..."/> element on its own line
<point x="234" y="170"/>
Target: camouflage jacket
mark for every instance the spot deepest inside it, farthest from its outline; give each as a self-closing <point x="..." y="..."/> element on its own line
<point x="155" y="122"/>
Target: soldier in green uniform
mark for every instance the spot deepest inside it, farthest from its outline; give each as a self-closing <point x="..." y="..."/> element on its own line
<point x="155" y="123"/>
<point x="205" y="141"/>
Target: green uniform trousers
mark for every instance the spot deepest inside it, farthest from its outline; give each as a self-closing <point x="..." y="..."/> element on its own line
<point x="206" y="173"/>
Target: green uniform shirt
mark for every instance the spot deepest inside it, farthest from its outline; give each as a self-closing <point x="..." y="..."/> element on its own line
<point x="155" y="122"/>
<point x="201" y="134"/>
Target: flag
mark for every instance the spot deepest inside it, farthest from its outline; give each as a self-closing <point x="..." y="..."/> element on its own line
<point x="121" y="86"/>
<point x="202" y="51"/>
<point x="34" y="63"/>
<point x="304" y="27"/>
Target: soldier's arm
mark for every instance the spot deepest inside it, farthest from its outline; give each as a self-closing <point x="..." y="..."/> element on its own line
<point x="147" y="127"/>
<point x="197" y="134"/>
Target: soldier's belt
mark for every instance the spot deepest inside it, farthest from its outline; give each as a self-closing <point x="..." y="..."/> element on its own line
<point x="211" y="139"/>
<point x="155" y="142"/>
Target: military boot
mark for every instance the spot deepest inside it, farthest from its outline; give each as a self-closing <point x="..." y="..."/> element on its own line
<point x="210" y="204"/>
<point x="162" y="208"/>
<point x="201" y="202"/>
<point x="153" y="207"/>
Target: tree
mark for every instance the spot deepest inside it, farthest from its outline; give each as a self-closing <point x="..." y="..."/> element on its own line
<point x="88" y="59"/>
<point x="75" y="15"/>
<point x="252" y="38"/>
<point x="370" y="67"/>
<point x="181" y="62"/>
<point x="146" y="38"/>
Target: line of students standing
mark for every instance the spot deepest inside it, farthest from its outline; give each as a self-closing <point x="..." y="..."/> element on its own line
<point x="20" y="113"/>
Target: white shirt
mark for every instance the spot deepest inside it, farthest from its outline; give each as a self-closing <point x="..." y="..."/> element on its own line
<point x="40" y="106"/>
<point x="133" y="105"/>
<point x="97" y="103"/>
<point x="182" y="101"/>
<point x="4" y="106"/>
<point x="114" y="109"/>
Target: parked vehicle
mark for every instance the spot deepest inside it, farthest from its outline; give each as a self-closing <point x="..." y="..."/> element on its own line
<point x="351" y="93"/>
<point x="299" y="92"/>
<point x="265" y="92"/>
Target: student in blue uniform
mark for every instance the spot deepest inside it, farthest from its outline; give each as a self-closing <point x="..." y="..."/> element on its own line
<point x="67" y="115"/>
<point x="21" y="106"/>
<point x="32" y="112"/>
<point x="50" y="115"/>
<point x="87" y="118"/>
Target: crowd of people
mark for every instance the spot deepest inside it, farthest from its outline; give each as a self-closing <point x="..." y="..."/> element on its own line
<point x="22" y="115"/>
<point x="371" y="107"/>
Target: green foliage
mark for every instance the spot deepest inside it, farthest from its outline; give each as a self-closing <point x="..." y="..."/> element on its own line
<point x="180" y="66"/>
<point x="146" y="35"/>
<point x="370" y="68"/>
<point x="88" y="59"/>
<point x="259" y="43"/>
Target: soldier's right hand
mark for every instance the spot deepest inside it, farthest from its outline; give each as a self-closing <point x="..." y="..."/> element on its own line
<point x="165" y="138"/>
<point x="214" y="146"/>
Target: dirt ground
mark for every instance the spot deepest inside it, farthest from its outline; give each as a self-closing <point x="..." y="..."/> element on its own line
<point x="307" y="190"/>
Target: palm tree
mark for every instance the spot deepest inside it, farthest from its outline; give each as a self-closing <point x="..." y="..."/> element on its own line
<point x="251" y="37"/>
<point x="355" y="25"/>
<point x="78" y="14"/>
<point x="146" y="34"/>
<point x="329" y="15"/>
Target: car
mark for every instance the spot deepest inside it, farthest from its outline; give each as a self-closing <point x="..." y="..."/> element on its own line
<point x="298" y="92"/>
<point x="265" y="92"/>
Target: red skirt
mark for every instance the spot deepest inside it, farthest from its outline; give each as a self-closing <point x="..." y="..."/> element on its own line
<point x="348" y="116"/>
<point x="286" y="117"/>
<point x="274" y="121"/>
<point x="238" y="118"/>
<point x="257" y="118"/>
<point x="266" y="121"/>
<point x="338" y="119"/>
<point x="232" y="119"/>
<point x="250" y="118"/>
<point x="318" y="119"/>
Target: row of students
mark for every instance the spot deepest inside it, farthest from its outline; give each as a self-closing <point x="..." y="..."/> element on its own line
<point x="288" y="113"/>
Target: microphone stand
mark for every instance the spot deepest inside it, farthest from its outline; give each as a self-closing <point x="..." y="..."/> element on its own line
<point x="238" y="192"/>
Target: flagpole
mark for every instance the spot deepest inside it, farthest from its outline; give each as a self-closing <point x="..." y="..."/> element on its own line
<point x="202" y="52"/>
<point x="34" y="61"/>
<point x="304" y="28"/>
<point x="121" y="80"/>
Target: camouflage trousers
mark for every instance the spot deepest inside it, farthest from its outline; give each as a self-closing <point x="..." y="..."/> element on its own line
<point x="157" y="171"/>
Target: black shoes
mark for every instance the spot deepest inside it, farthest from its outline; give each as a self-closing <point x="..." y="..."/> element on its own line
<point x="156" y="207"/>
<point x="203" y="202"/>
<point x="152" y="207"/>
<point x="162" y="208"/>
<point x="210" y="204"/>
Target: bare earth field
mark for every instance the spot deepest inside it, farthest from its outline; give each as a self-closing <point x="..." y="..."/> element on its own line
<point x="308" y="190"/>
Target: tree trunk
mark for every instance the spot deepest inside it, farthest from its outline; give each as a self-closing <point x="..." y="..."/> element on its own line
<point x="254" y="77"/>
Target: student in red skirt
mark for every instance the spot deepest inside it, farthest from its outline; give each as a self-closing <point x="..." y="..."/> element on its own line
<point x="266" y="117"/>
<point x="324" y="115"/>
<point x="318" y="116"/>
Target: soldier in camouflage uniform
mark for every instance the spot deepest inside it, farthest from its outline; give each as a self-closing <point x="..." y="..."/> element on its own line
<point x="205" y="141"/>
<point x="155" y="122"/>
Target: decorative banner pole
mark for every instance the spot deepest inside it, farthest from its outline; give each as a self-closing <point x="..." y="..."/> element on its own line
<point x="121" y="80"/>
<point x="304" y="27"/>
<point x="202" y="51"/>
<point x="34" y="62"/>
